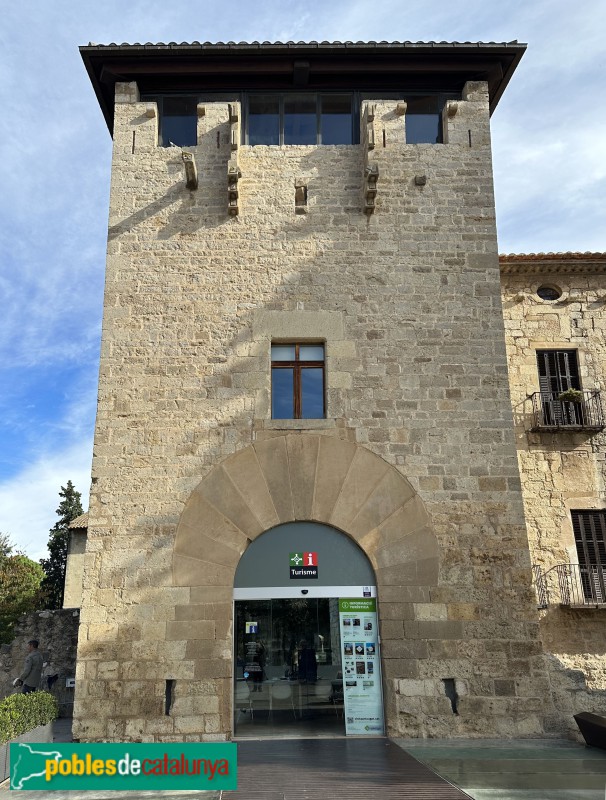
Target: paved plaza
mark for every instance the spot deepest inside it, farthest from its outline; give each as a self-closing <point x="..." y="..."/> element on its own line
<point x="384" y="769"/>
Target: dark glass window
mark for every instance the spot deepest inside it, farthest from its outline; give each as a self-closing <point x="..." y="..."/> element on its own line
<point x="263" y="119"/>
<point x="312" y="393"/>
<point x="304" y="119"/>
<point x="297" y="381"/>
<point x="549" y="293"/>
<point x="282" y="393"/>
<point x="178" y="115"/>
<point x="336" y="119"/>
<point x="423" y="120"/>
<point x="300" y="119"/>
<point x="178" y="121"/>
<point x="423" y="113"/>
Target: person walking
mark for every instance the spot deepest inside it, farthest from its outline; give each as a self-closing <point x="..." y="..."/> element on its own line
<point x="31" y="675"/>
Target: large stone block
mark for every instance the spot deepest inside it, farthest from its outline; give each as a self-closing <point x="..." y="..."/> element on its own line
<point x="190" y="629"/>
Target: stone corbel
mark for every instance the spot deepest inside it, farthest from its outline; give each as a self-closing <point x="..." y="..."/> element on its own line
<point x="371" y="176"/>
<point x="369" y="128"/>
<point x="191" y="172"/>
<point x="234" y="125"/>
<point x="371" y="171"/>
<point x="233" y="193"/>
<point x="233" y="169"/>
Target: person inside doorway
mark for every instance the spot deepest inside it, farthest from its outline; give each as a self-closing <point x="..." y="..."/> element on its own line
<point x="307" y="663"/>
<point x="255" y="663"/>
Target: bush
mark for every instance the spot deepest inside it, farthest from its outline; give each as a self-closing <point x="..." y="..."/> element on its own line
<point x="20" y="713"/>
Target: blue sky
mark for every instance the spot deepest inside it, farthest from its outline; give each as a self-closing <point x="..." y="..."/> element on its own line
<point x="549" y="156"/>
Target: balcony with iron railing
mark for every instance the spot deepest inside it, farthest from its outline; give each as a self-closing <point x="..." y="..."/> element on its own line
<point x="551" y="413"/>
<point x="571" y="585"/>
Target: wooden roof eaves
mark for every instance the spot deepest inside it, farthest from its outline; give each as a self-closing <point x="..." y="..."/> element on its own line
<point x="495" y="62"/>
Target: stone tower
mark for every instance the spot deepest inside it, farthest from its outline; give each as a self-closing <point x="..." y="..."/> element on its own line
<point x="277" y="208"/>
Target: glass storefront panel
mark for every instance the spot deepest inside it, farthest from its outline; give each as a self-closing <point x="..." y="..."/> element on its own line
<point x="288" y="668"/>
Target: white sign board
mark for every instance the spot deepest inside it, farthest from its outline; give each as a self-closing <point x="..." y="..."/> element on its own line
<point x="363" y="699"/>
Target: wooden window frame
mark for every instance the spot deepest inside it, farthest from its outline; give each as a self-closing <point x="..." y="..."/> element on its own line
<point x="297" y="367"/>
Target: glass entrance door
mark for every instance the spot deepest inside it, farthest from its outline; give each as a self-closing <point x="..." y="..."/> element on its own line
<point x="288" y="670"/>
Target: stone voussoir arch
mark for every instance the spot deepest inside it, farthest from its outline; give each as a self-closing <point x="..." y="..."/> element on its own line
<point x="312" y="478"/>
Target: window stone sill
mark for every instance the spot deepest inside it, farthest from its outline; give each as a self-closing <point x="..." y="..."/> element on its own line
<point x="295" y="424"/>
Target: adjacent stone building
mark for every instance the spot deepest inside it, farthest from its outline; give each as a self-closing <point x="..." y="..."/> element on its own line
<point x="554" y="311"/>
<point x="304" y="427"/>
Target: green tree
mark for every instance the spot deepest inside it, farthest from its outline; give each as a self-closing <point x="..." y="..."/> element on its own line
<point x="20" y="580"/>
<point x="6" y="546"/>
<point x="54" y="566"/>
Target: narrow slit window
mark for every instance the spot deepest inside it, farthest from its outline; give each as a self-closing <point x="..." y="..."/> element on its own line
<point x="297" y="381"/>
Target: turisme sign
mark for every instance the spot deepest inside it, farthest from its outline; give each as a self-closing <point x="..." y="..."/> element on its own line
<point x="303" y="565"/>
<point x="140" y="767"/>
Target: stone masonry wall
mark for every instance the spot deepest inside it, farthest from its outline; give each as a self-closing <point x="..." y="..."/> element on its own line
<point x="408" y="302"/>
<point x="565" y="470"/>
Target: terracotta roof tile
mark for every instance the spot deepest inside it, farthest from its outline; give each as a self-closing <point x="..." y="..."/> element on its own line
<point x="313" y="43"/>
<point x="552" y="263"/>
<point x="79" y="522"/>
<point x="569" y="256"/>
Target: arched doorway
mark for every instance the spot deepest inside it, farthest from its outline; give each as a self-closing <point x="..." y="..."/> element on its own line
<point x="289" y="479"/>
<point x="306" y="650"/>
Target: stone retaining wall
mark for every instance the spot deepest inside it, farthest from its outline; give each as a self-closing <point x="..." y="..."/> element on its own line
<point x="57" y="632"/>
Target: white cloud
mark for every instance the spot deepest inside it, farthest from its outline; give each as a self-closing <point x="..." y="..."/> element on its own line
<point x="29" y="499"/>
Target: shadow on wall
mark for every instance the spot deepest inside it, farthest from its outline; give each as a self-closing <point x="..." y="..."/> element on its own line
<point x="570" y="695"/>
<point x="577" y="639"/>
